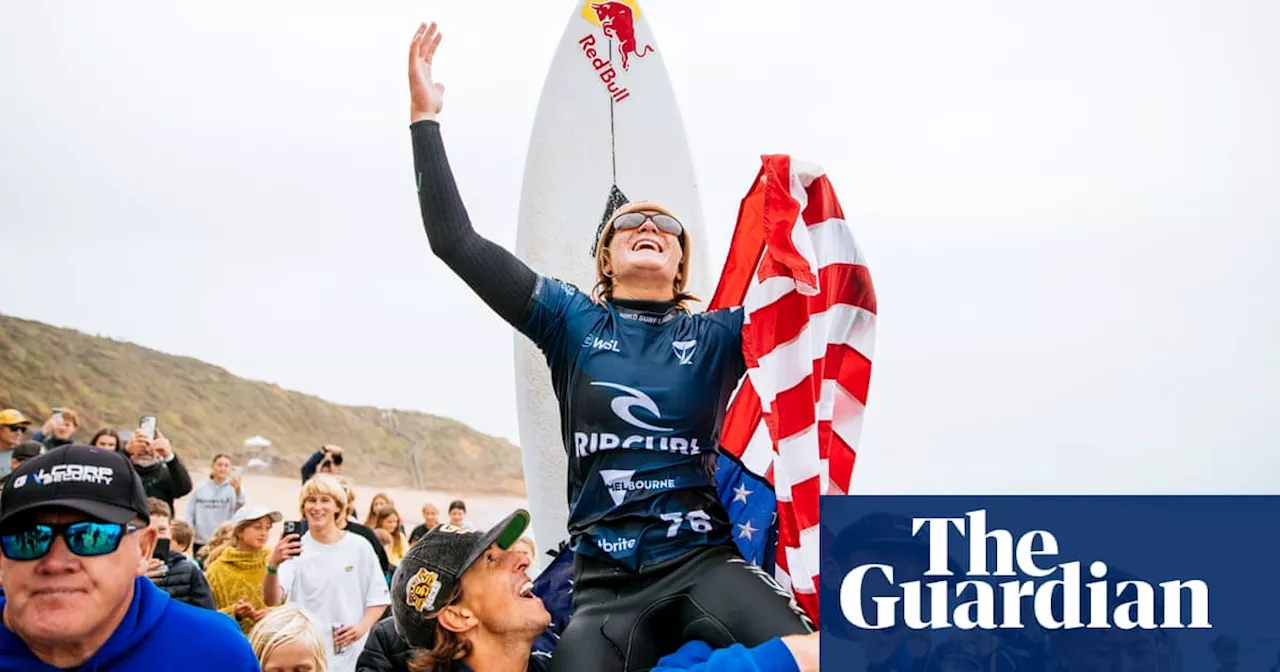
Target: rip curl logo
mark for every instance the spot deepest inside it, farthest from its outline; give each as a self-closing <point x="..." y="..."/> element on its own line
<point x="422" y="590"/>
<point x="622" y="406"/>
<point x="72" y="473"/>
<point x="684" y="351"/>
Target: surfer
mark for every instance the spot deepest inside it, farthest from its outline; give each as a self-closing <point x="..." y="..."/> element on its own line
<point x="642" y="386"/>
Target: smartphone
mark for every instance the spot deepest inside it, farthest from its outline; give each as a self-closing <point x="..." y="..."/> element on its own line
<point x="148" y="426"/>
<point x="298" y="527"/>
<point x="236" y="472"/>
<point x="57" y="415"/>
<point x="162" y="550"/>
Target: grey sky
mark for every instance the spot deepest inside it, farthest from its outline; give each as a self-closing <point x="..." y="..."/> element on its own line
<point x="1069" y="208"/>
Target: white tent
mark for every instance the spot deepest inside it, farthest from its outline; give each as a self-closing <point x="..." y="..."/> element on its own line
<point x="257" y="442"/>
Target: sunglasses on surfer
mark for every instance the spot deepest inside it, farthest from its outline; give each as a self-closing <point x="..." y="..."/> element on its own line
<point x="634" y="220"/>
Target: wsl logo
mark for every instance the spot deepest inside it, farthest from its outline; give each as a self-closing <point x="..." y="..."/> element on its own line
<point x="626" y="406"/>
<point x="1024" y="582"/>
<point x="684" y="351"/>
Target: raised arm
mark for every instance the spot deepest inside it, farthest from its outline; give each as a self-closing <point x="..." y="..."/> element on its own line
<point x="497" y="276"/>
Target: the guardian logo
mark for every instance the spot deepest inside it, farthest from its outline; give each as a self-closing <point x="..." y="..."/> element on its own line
<point x="1054" y="603"/>
<point x="625" y="407"/>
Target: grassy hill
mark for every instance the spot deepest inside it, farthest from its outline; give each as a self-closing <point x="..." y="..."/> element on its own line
<point x="204" y="410"/>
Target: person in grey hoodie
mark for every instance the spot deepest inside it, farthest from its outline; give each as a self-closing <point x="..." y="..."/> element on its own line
<point x="215" y="501"/>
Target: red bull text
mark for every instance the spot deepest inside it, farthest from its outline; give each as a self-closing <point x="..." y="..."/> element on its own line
<point x="604" y="69"/>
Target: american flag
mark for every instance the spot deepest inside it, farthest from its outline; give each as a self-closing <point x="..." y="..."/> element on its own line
<point x="791" y="433"/>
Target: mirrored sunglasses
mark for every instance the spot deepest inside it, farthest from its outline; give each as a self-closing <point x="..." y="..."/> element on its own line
<point x="634" y="220"/>
<point x="86" y="539"/>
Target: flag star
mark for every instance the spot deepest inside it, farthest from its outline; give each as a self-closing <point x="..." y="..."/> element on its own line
<point x="745" y="530"/>
<point x="740" y="493"/>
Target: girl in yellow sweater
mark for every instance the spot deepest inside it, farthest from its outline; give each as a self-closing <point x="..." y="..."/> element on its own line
<point x="235" y="572"/>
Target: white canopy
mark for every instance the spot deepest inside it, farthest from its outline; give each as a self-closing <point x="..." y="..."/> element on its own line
<point x="256" y="442"/>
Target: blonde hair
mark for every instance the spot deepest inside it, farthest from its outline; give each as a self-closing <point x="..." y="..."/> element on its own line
<point x="222" y="537"/>
<point x="286" y="624"/>
<point x="329" y="486"/>
<point x="533" y="550"/>
<point x="603" y="289"/>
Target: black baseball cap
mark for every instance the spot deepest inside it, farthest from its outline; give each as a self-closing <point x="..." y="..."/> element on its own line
<point x="26" y="450"/>
<point x="431" y="569"/>
<point x="94" y="481"/>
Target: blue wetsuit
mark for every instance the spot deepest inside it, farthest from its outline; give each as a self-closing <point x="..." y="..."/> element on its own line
<point x="642" y="389"/>
<point x="642" y="397"/>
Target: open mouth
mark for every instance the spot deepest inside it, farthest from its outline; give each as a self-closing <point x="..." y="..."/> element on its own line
<point x="526" y="590"/>
<point x="646" y="244"/>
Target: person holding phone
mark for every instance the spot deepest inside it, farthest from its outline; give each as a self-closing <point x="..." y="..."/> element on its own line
<point x="163" y="474"/>
<point x="172" y="571"/>
<point x="215" y="501"/>
<point x="329" y="572"/>
<point x="59" y="429"/>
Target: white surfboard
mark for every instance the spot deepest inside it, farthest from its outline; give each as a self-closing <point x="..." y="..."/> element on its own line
<point x="607" y="126"/>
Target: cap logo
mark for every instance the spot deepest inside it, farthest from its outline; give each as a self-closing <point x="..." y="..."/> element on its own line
<point x="447" y="527"/>
<point x="422" y="590"/>
<point x="20" y="481"/>
<point x="74" y="473"/>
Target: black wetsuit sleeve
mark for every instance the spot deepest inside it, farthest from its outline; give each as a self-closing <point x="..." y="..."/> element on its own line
<point x="502" y="281"/>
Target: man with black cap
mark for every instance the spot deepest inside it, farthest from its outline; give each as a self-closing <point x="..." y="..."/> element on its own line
<point x="463" y="601"/>
<point x="21" y="453"/>
<point x="75" y="540"/>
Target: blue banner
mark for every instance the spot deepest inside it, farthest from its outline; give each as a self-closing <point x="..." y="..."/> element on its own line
<point x="1051" y="583"/>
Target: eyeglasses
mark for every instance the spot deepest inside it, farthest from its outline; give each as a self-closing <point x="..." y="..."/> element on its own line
<point x="634" y="220"/>
<point x="86" y="539"/>
<point x="16" y="428"/>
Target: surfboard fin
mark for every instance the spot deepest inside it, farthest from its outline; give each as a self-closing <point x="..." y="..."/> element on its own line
<point x="616" y="200"/>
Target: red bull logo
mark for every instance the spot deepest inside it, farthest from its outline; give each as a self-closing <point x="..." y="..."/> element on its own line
<point x="617" y="21"/>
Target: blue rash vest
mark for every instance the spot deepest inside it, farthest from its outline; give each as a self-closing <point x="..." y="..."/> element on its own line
<point x="642" y="397"/>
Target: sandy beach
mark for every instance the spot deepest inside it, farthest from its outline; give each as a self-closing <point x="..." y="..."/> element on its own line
<point x="281" y="494"/>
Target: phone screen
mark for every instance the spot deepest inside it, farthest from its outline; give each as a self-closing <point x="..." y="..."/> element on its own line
<point x="148" y="426"/>
<point x="162" y="550"/>
<point x="298" y="527"/>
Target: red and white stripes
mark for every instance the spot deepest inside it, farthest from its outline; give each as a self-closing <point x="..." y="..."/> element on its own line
<point x="795" y="268"/>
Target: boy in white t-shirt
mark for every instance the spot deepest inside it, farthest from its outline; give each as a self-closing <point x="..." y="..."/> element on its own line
<point x="330" y="573"/>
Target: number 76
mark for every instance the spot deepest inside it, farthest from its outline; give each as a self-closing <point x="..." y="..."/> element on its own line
<point x="699" y="521"/>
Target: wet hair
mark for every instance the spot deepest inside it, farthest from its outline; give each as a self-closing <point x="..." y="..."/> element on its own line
<point x="458" y="504"/>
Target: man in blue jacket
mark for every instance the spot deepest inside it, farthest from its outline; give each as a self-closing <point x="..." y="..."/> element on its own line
<point x="464" y="602"/>
<point x="76" y="542"/>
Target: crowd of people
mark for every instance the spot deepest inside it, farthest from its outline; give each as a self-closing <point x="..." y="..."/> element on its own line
<point x="100" y="571"/>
